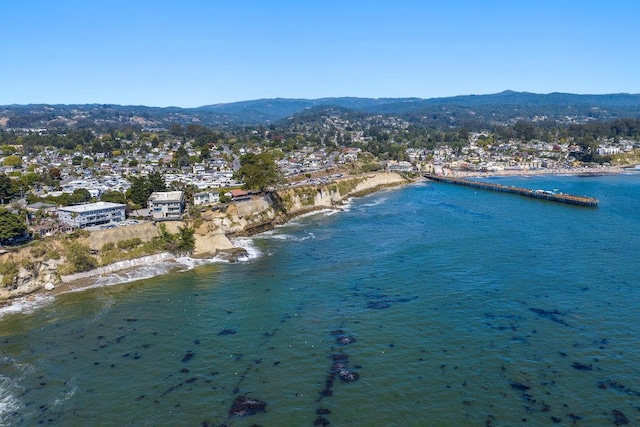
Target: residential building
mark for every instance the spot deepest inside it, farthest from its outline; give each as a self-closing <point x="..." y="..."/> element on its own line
<point x="205" y="198"/>
<point x="238" y="195"/>
<point x="91" y="214"/>
<point x="166" y="205"/>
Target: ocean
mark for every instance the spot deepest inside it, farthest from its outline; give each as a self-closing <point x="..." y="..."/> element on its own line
<point x="425" y="305"/>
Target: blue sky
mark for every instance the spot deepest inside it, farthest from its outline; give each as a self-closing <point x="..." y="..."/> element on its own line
<point x="190" y="53"/>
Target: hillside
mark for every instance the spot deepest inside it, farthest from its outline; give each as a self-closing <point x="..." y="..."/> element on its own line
<point x="503" y="107"/>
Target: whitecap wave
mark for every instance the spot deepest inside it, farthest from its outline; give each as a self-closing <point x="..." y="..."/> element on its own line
<point x="26" y="305"/>
<point x="309" y="235"/>
<point x="13" y="372"/>
<point x="66" y="395"/>
<point x="126" y="276"/>
<point x="320" y="212"/>
<point x="347" y="204"/>
<point x="9" y="403"/>
<point x="249" y="246"/>
<point x="375" y="202"/>
<point x="273" y="234"/>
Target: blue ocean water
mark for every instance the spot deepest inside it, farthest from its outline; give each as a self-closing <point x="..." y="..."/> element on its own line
<point x="430" y="304"/>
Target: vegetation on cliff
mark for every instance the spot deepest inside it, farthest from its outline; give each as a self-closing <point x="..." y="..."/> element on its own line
<point x="259" y="171"/>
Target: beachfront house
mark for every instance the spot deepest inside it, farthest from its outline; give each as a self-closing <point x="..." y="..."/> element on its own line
<point x="166" y="205"/>
<point x="91" y="214"/>
<point x="205" y="198"/>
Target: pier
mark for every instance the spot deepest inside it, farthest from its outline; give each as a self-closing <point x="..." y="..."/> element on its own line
<point x="536" y="194"/>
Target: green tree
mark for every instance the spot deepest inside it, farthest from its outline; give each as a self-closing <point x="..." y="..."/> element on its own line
<point x="12" y="161"/>
<point x="186" y="240"/>
<point x="176" y="129"/>
<point x="80" y="195"/>
<point x="156" y="182"/>
<point x="6" y="188"/>
<point x="142" y="187"/>
<point x="113" y="196"/>
<point x="205" y="152"/>
<point x="139" y="192"/>
<point x="258" y="171"/>
<point x="11" y="225"/>
<point x="79" y="258"/>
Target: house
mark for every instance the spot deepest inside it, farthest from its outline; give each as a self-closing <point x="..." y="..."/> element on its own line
<point x="91" y="214"/>
<point x="238" y="195"/>
<point x="205" y="198"/>
<point x="50" y="228"/>
<point x="166" y="205"/>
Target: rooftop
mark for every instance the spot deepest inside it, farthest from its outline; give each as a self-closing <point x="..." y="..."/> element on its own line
<point x="166" y="196"/>
<point x="91" y="207"/>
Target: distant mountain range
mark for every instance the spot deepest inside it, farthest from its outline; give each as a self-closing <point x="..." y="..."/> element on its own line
<point x="504" y="107"/>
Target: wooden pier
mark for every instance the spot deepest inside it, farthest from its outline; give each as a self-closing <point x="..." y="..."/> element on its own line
<point x="536" y="194"/>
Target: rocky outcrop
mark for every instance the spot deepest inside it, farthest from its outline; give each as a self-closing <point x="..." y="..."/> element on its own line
<point x="210" y="245"/>
<point x="31" y="278"/>
<point x="117" y="266"/>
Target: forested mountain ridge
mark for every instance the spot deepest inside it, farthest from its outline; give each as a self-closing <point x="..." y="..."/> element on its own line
<point x="501" y="108"/>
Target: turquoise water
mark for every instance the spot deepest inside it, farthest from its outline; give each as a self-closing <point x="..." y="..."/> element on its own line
<point x="443" y="305"/>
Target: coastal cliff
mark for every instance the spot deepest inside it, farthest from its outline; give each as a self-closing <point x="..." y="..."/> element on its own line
<point x="45" y="265"/>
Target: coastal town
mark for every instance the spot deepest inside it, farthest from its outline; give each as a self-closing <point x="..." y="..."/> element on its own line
<point x="75" y="201"/>
<point x="42" y="180"/>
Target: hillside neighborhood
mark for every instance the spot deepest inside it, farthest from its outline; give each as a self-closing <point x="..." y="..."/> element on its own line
<point x="99" y="180"/>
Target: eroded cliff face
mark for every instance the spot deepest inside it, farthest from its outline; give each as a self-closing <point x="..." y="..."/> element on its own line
<point x="31" y="278"/>
<point x="299" y="200"/>
<point x="212" y="230"/>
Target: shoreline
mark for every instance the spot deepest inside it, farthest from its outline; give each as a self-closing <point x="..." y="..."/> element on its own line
<point x="603" y="170"/>
<point x="89" y="280"/>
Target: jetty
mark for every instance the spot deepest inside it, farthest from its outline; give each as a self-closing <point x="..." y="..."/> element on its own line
<point x="536" y="194"/>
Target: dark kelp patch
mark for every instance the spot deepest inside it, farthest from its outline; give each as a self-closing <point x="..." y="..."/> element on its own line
<point x="551" y="315"/>
<point x="581" y="367"/>
<point x="243" y="406"/>
<point x="340" y="369"/>
<point x="619" y="418"/>
<point x="614" y="385"/>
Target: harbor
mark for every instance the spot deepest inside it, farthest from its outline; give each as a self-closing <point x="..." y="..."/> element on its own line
<point x="536" y="194"/>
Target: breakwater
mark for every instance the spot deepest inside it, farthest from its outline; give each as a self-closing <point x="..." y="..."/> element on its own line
<point x="537" y="194"/>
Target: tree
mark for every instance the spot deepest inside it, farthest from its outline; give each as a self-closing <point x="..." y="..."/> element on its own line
<point x="176" y="130"/>
<point x="11" y="226"/>
<point x="113" y="196"/>
<point x="80" y="195"/>
<point x="186" y="240"/>
<point x="142" y="187"/>
<point x="79" y="258"/>
<point x="12" y="161"/>
<point x="55" y="173"/>
<point x="205" y="152"/>
<point x="6" y="188"/>
<point x="259" y="171"/>
<point x="156" y="182"/>
<point x="139" y="192"/>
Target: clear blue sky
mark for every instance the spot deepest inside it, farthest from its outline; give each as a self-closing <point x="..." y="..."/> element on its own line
<point x="189" y="53"/>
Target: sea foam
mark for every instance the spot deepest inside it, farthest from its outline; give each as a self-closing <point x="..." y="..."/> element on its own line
<point x="26" y="305"/>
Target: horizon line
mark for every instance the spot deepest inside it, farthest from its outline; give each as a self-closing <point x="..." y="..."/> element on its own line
<point x="506" y="91"/>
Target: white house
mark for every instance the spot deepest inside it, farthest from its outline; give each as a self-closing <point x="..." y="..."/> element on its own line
<point x="205" y="198"/>
<point x="92" y="214"/>
<point x="166" y="205"/>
